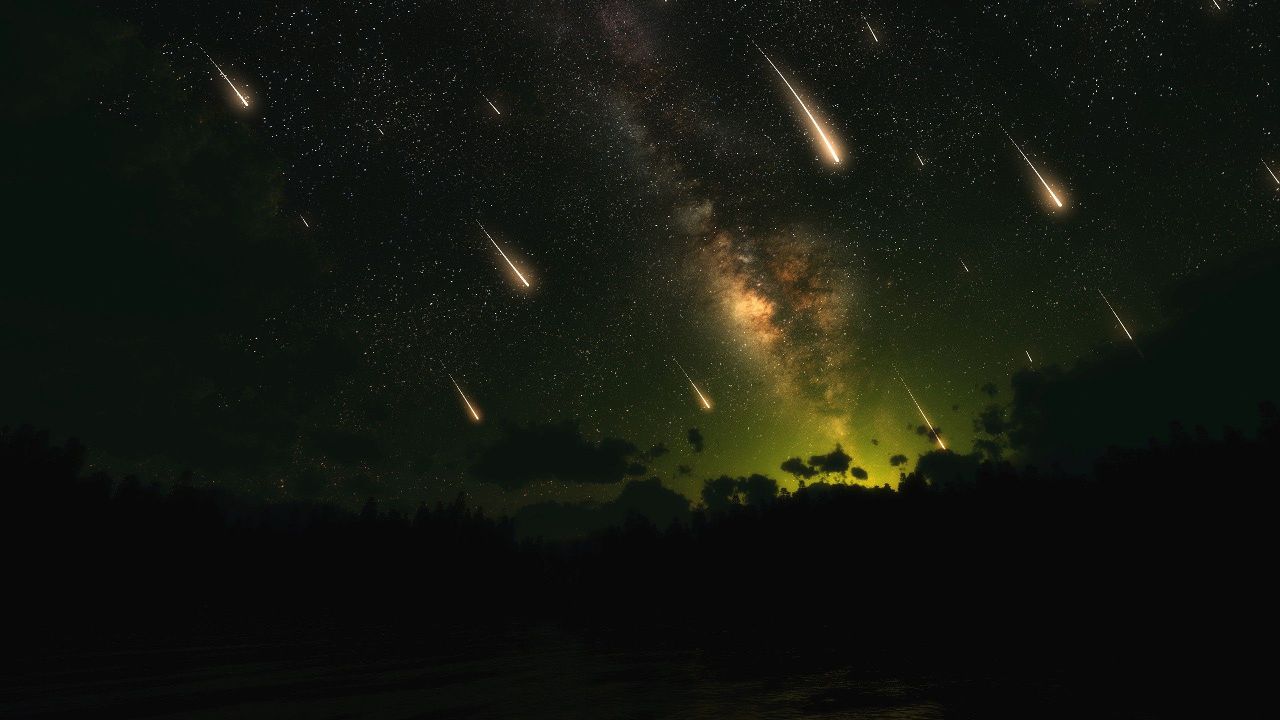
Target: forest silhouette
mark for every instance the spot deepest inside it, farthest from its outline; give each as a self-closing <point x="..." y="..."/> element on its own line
<point x="994" y="566"/>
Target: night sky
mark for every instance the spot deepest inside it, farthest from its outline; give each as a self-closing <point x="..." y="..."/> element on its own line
<point x="668" y="200"/>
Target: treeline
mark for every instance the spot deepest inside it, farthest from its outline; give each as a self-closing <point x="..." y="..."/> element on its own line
<point x="991" y="560"/>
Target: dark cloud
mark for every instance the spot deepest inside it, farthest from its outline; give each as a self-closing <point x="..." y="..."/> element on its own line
<point x="990" y="389"/>
<point x="695" y="439"/>
<point x="797" y="467"/>
<point x="836" y="461"/>
<point x="898" y="460"/>
<point x="657" y="451"/>
<point x="683" y="470"/>
<point x="649" y="499"/>
<point x="1211" y="365"/>
<point x="725" y="492"/>
<point x="991" y="421"/>
<point x="858" y="473"/>
<point x="558" y="451"/>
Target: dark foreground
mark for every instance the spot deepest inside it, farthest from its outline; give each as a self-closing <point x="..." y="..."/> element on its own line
<point x="1133" y="592"/>
<point x="541" y="673"/>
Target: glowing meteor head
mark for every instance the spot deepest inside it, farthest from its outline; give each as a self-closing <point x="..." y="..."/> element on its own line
<point x="471" y="409"/>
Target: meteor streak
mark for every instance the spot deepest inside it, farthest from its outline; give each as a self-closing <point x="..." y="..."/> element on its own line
<point x="1122" y="326"/>
<point x="504" y="255"/>
<point x="830" y="148"/>
<point x="495" y="107"/>
<point x="1271" y="172"/>
<point x="470" y="408"/>
<point x="1028" y="352"/>
<point x="304" y="221"/>
<point x="873" y="32"/>
<point x="705" y="403"/>
<point x="966" y="267"/>
<point x="224" y="77"/>
<point x="928" y="424"/>
<point x="1044" y="182"/>
<point x="920" y="159"/>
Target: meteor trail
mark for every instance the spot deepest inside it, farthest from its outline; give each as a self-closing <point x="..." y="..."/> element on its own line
<point x="380" y="131"/>
<point x="873" y="32"/>
<point x="928" y="424"/>
<point x="705" y="403"/>
<point x="830" y="148"/>
<point x="1028" y="352"/>
<point x="1122" y="327"/>
<point x="224" y="77"/>
<point x="304" y="221"/>
<point x="1271" y="172"/>
<point x="966" y="267"/>
<point x="475" y="415"/>
<point x="920" y="159"/>
<point x="1044" y="182"/>
<point x="504" y="255"/>
<point x="495" y="107"/>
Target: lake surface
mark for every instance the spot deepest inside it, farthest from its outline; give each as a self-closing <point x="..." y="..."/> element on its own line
<point x="539" y="674"/>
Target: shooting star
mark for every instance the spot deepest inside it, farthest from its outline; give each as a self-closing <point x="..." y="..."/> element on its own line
<point x="1029" y="360"/>
<point x="504" y="255"/>
<point x="1215" y="4"/>
<point x="304" y="221"/>
<point x="966" y="267"/>
<point x="379" y="131"/>
<point x="928" y="424"/>
<point x="1044" y="182"/>
<point x="1122" y="325"/>
<point x="920" y="159"/>
<point x="470" y="408"/>
<point x="873" y="32"/>
<point x="495" y="107"/>
<point x="1271" y="172"/>
<point x="224" y="77"/>
<point x="818" y="128"/>
<point x="705" y="403"/>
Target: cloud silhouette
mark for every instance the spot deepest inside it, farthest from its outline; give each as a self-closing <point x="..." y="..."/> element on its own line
<point x="657" y="451"/>
<point x="898" y="460"/>
<point x="558" y="451"/>
<point x="695" y="439"/>
<point x="796" y="467"/>
<point x="836" y="461"/>
<point x="858" y="473"/>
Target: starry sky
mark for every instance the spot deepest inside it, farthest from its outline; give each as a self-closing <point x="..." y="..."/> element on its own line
<point x="668" y="200"/>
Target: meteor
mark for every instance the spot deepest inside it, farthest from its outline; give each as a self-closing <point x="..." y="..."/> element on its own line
<point x="224" y="77"/>
<point x="470" y="408"/>
<point x="873" y="32"/>
<point x="1028" y="352"/>
<point x="705" y="403"/>
<point x="495" y="107"/>
<point x="1044" y="182"/>
<point x="966" y="267"/>
<point x="830" y="148"/>
<point x="928" y="424"/>
<point x="1122" y="326"/>
<point x="1271" y="172"/>
<point x="920" y="159"/>
<point x="380" y="131"/>
<point x="504" y="255"/>
<point x="304" y="221"/>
